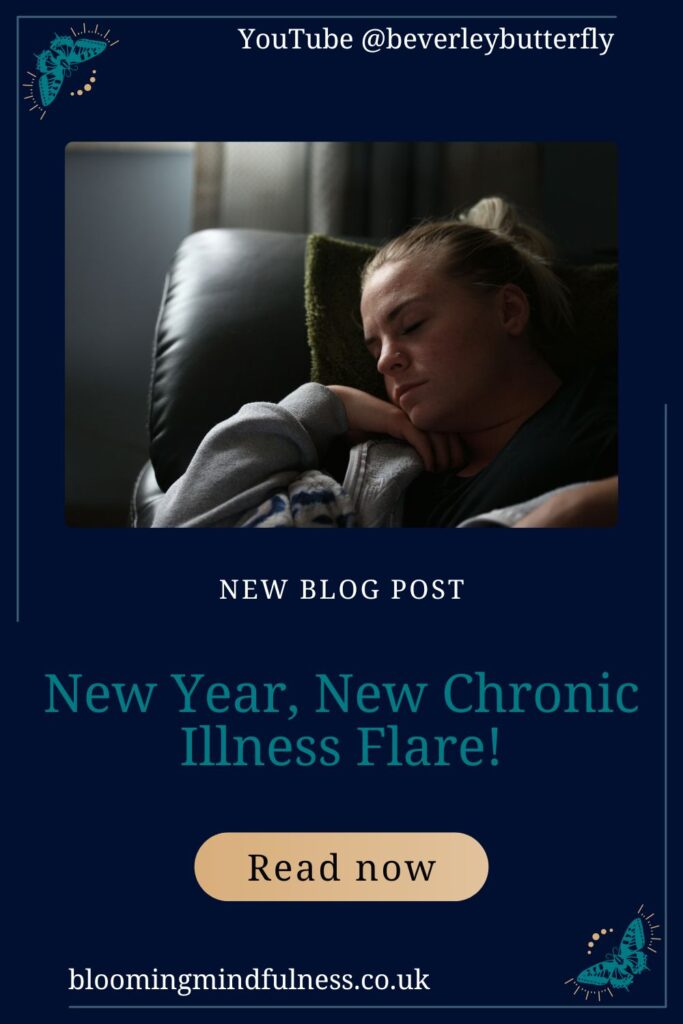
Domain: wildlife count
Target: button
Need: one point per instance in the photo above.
(321, 866)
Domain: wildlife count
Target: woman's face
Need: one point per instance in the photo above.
(442, 345)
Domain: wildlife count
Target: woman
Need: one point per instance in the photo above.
(455, 314)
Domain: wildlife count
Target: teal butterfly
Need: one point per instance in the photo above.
(59, 61)
(619, 968)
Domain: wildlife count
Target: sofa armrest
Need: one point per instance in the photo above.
(231, 329)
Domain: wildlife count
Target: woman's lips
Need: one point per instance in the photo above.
(403, 390)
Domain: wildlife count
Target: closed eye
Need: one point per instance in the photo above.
(412, 327)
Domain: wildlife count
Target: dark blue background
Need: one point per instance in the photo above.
(572, 818)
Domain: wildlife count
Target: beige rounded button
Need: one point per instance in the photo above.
(320, 866)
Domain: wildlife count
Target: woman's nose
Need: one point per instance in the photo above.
(391, 359)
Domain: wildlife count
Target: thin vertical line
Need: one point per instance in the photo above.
(666, 698)
(16, 471)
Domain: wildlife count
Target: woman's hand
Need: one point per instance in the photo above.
(593, 504)
(368, 415)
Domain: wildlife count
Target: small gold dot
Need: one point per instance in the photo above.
(603, 931)
(595, 935)
(87, 88)
(591, 943)
(93, 79)
(79, 92)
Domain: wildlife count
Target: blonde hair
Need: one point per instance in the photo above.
(489, 245)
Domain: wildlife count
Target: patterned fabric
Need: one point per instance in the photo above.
(313, 499)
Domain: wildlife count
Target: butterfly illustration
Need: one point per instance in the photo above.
(59, 61)
(619, 967)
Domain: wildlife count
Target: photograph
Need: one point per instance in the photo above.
(342, 334)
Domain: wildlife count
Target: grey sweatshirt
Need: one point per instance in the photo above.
(264, 447)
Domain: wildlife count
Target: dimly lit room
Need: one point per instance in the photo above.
(148, 298)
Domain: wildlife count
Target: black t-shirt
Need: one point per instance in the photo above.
(571, 439)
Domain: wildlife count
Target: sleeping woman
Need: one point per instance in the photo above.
(477, 428)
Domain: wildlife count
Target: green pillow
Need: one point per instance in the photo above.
(335, 332)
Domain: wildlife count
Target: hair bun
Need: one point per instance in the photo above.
(498, 215)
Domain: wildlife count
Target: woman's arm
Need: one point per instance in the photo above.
(368, 415)
(264, 447)
(593, 504)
